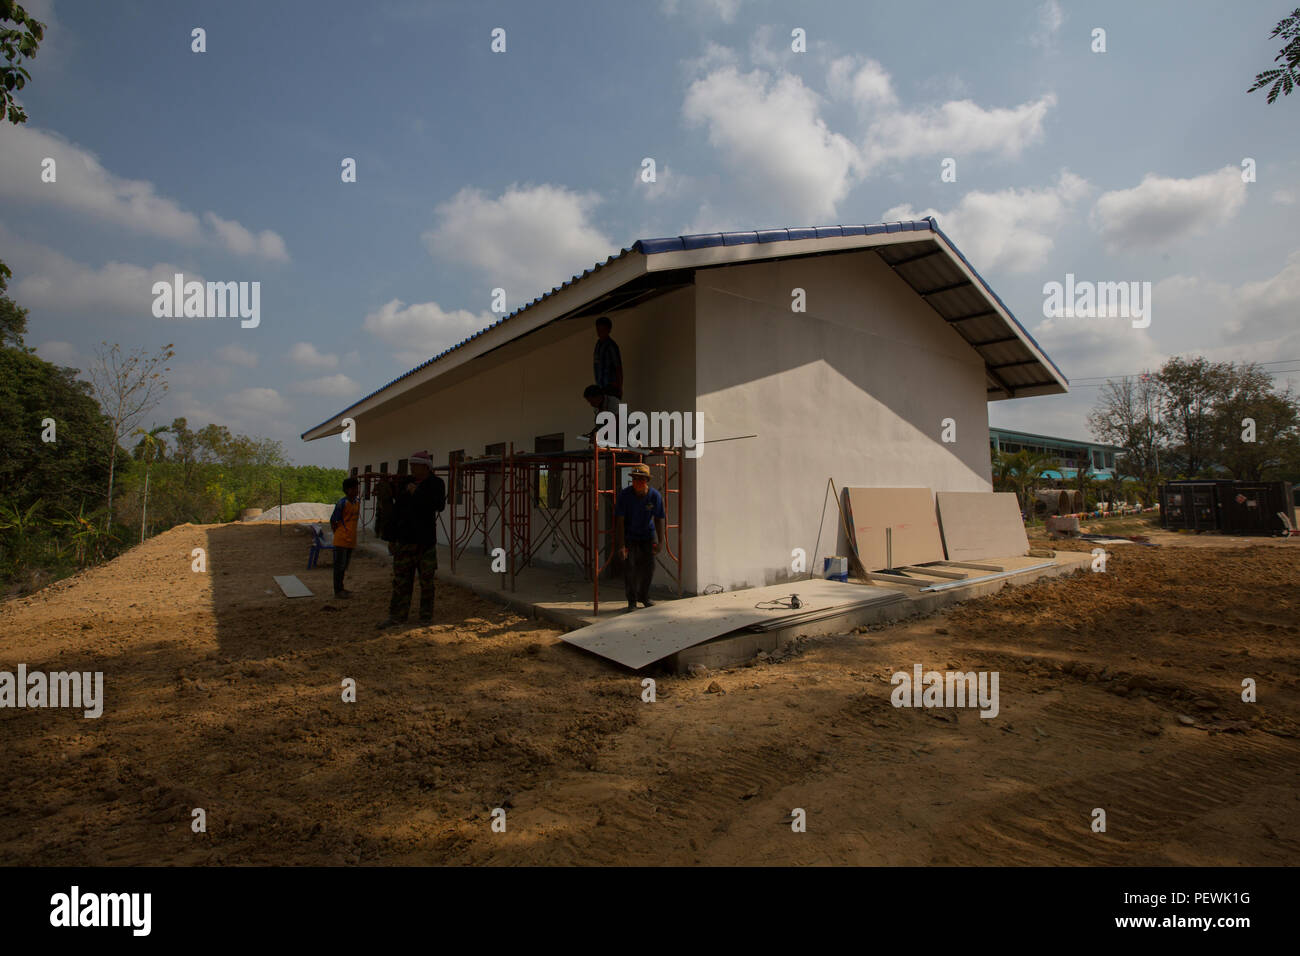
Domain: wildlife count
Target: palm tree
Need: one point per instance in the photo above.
(1084, 480)
(1026, 470)
(87, 536)
(150, 445)
(1002, 471)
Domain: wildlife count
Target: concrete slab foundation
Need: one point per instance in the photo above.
(562, 598)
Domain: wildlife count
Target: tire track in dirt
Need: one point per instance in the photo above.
(1147, 811)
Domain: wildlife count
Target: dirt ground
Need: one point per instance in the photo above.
(1119, 691)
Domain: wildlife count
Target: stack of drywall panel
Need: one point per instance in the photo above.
(894, 527)
(981, 524)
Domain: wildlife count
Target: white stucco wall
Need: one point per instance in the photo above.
(854, 389)
(533, 387)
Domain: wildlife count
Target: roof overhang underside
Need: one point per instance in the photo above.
(1015, 366)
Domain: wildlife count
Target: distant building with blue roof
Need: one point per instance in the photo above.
(1070, 454)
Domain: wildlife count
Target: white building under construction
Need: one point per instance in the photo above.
(866, 354)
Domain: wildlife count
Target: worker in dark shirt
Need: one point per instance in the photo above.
(638, 535)
(607, 361)
(412, 535)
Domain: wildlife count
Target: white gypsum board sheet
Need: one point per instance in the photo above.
(641, 637)
(909, 515)
(291, 586)
(981, 524)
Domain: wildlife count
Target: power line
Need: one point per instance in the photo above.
(1075, 383)
(1085, 378)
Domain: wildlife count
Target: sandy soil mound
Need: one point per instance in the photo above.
(298, 511)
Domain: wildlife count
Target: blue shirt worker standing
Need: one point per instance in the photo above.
(638, 535)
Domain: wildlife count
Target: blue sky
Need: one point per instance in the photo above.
(478, 170)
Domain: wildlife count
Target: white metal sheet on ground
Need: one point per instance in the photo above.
(641, 637)
(981, 524)
(291, 586)
(908, 514)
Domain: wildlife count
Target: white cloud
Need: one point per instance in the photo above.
(1089, 346)
(1284, 197)
(237, 355)
(723, 9)
(307, 355)
(1261, 309)
(714, 57)
(1012, 229)
(772, 139)
(84, 186)
(1050, 19)
(767, 48)
(337, 385)
(46, 279)
(863, 82)
(266, 244)
(956, 128)
(669, 184)
(784, 164)
(423, 329)
(526, 241)
(1161, 210)
(255, 405)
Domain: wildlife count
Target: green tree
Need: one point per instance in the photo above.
(151, 446)
(62, 471)
(13, 318)
(1190, 392)
(1249, 394)
(20, 35)
(1285, 78)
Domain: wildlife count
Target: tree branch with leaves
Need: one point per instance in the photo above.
(20, 35)
(1286, 77)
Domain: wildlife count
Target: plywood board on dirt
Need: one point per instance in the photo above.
(641, 637)
(291, 586)
(907, 514)
(981, 524)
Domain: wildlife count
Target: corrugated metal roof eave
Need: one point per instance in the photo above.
(680, 244)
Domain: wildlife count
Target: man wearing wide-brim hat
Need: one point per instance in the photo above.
(638, 535)
(412, 536)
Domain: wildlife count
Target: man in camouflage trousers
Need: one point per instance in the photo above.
(412, 535)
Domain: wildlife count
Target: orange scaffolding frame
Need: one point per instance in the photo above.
(580, 520)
